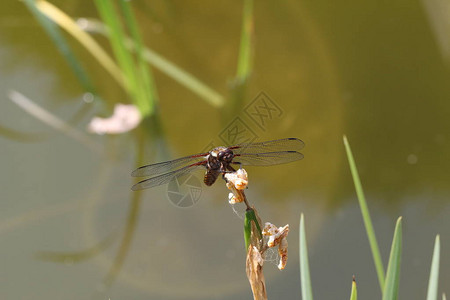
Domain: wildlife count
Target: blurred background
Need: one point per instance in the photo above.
(378, 72)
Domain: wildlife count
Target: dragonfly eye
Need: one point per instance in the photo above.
(228, 156)
(222, 155)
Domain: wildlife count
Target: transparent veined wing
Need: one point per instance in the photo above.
(167, 166)
(167, 177)
(267, 159)
(287, 144)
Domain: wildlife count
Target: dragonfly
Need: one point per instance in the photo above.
(220, 160)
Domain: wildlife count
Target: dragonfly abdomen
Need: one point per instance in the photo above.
(210, 177)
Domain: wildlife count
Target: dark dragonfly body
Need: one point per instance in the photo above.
(220, 160)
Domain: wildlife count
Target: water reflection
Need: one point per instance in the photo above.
(330, 69)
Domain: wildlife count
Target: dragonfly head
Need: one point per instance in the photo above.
(225, 155)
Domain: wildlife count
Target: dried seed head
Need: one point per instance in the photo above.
(236, 182)
(283, 252)
(277, 236)
(269, 229)
(238, 179)
(232, 199)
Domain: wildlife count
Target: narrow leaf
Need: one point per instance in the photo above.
(366, 216)
(434, 272)
(145, 80)
(354, 294)
(305, 279)
(244, 65)
(390, 291)
(250, 217)
(245, 51)
(124, 57)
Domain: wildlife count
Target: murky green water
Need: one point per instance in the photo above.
(71, 228)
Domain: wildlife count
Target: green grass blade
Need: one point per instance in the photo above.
(145, 77)
(244, 66)
(305, 279)
(354, 293)
(366, 216)
(390, 291)
(432, 293)
(123, 56)
(61, 44)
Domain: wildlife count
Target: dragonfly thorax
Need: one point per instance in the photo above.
(220, 158)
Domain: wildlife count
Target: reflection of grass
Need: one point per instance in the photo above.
(389, 282)
(76, 256)
(53, 121)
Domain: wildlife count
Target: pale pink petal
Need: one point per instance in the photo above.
(124, 118)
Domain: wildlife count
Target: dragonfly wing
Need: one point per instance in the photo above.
(166, 178)
(267, 159)
(167, 166)
(288, 144)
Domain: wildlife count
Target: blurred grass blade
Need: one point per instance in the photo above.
(124, 58)
(65, 22)
(444, 297)
(146, 83)
(19, 136)
(245, 58)
(63, 47)
(354, 294)
(244, 66)
(366, 216)
(78, 256)
(184, 78)
(127, 237)
(432, 293)
(390, 291)
(52, 120)
(305, 278)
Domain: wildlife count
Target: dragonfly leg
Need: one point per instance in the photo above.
(237, 163)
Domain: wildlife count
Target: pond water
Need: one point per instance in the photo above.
(70, 227)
